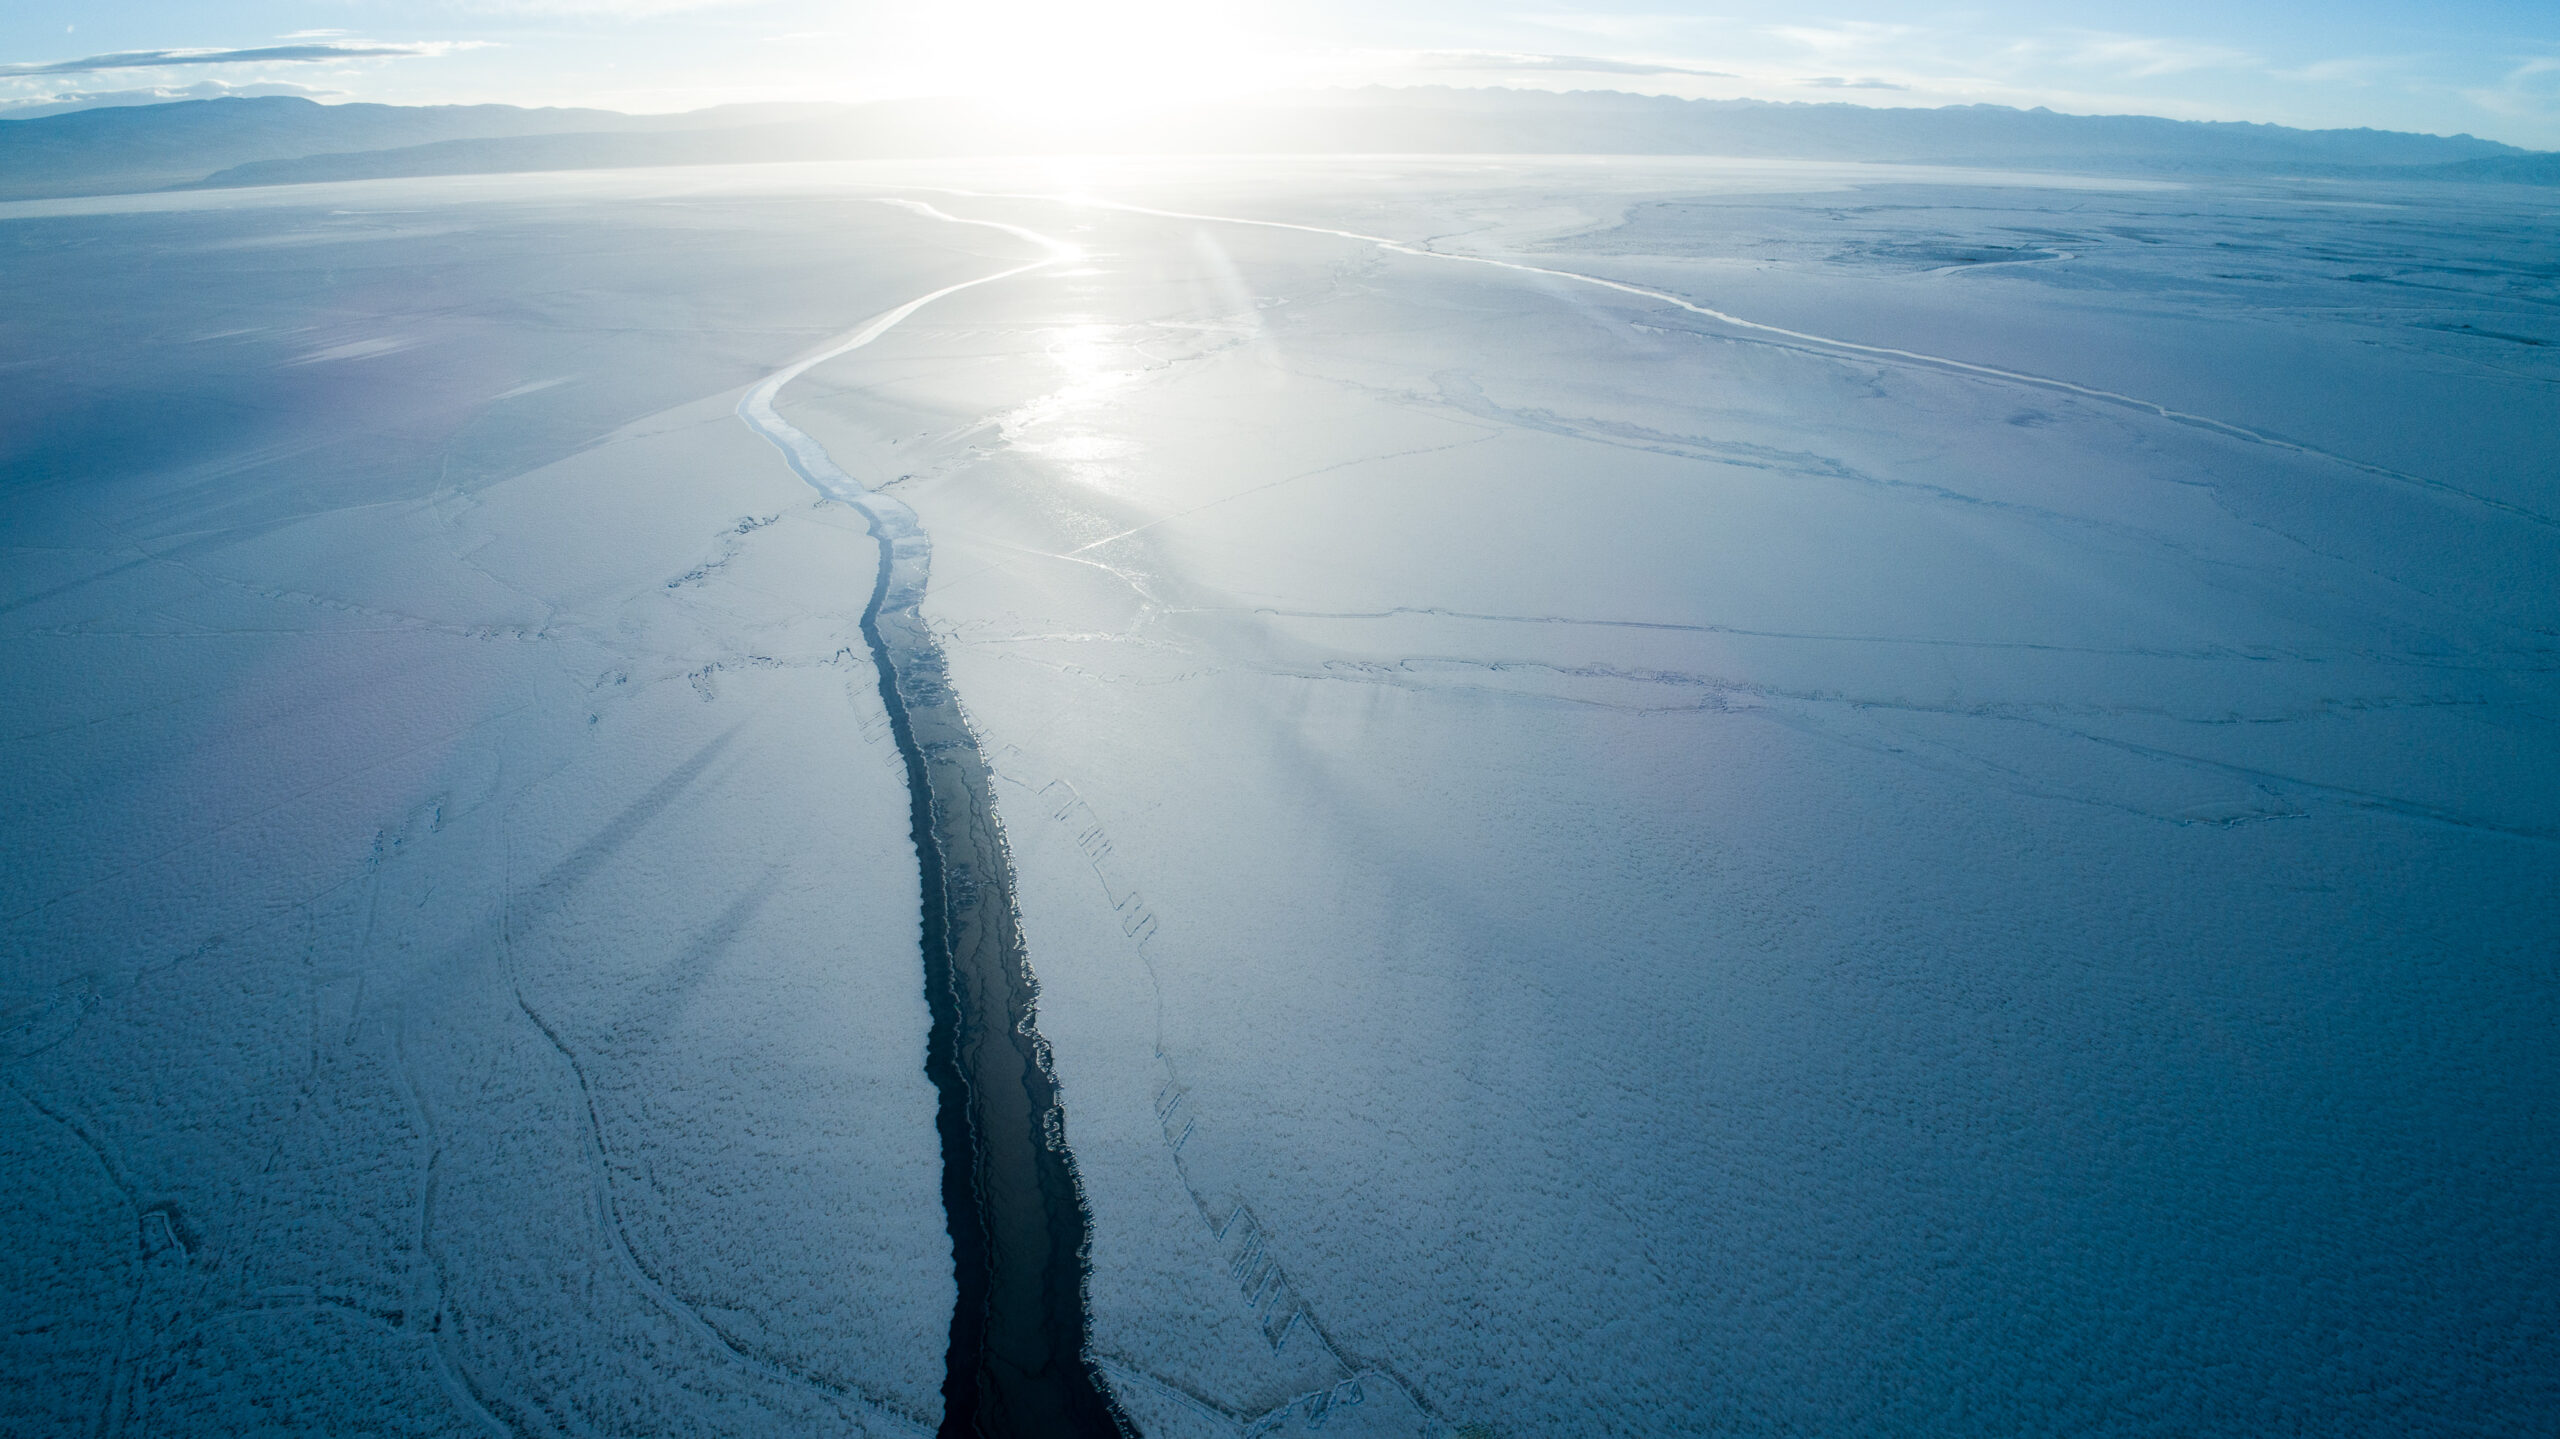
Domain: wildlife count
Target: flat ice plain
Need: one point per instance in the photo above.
(1831, 800)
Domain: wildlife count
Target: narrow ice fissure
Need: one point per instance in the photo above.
(1834, 345)
(1011, 1195)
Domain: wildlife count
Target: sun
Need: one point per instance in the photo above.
(1069, 62)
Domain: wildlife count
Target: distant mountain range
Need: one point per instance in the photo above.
(127, 148)
(287, 140)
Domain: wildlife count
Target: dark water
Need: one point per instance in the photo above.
(1017, 1213)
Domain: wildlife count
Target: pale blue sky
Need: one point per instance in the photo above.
(2490, 67)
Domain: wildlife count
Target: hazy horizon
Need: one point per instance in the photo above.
(2489, 68)
(993, 108)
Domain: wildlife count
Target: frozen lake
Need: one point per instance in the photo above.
(1653, 797)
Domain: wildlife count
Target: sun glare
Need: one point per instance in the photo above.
(1067, 63)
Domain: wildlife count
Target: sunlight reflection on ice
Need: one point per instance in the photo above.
(1068, 426)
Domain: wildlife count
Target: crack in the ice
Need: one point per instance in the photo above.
(2215, 654)
(1013, 1201)
(1829, 345)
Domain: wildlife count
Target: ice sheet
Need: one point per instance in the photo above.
(461, 929)
(1661, 877)
(1765, 846)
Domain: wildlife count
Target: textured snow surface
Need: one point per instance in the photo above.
(1932, 811)
(460, 919)
(1687, 878)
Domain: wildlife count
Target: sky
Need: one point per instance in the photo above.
(2483, 67)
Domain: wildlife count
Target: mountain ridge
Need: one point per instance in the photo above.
(231, 142)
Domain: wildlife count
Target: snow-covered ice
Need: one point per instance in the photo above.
(1828, 799)
(461, 924)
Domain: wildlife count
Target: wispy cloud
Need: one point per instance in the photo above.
(1848, 37)
(623, 9)
(2529, 91)
(2149, 55)
(261, 55)
(2347, 70)
(1499, 60)
(1844, 82)
(63, 102)
(1620, 27)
